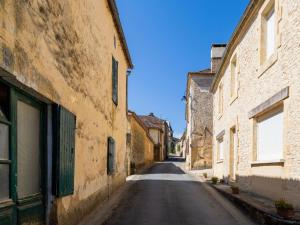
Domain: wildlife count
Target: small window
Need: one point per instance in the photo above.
(220, 98)
(268, 32)
(111, 148)
(233, 78)
(220, 148)
(4, 102)
(115, 81)
(270, 136)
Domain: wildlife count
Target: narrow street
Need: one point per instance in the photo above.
(165, 195)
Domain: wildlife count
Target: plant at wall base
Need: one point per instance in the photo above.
(284, 209)
(214, 180)
(235, 189)
(205, 175)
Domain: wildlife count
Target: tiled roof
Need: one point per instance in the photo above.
(152, 121)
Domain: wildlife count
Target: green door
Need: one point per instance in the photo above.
(21, 158)
(29, 132)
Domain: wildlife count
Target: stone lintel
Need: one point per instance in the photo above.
(269, 103)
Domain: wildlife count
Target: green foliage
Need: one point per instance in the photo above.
(214, 180)
(282, 204)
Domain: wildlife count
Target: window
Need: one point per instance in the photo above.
(111, 148)
(268, 32)
(233, 78)
(220, 149)
(115, 81)
(220, 98)
(5, 162)
(270, 136)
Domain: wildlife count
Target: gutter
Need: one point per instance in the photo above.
(246, 15)
(115, 13)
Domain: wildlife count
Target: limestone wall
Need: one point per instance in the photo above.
(257, 83)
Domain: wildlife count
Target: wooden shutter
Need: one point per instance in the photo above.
(64, 124)
(115, 81)
(111, 148)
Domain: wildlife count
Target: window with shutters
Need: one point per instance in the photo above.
(5, 162)
(64, 151)
(269, 136)
(111, 149)
(115, 81)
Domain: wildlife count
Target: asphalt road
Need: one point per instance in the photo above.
(165, 195)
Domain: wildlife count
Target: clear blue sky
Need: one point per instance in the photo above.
(167, 39)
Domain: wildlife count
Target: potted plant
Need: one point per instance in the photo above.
(235, 189)
(205, 175)
(214, 180)
(284, 209)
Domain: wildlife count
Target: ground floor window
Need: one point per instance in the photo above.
(270, 136)
(220, 148)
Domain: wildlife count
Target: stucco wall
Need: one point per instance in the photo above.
(200, 122)
(142, 147)
(63, 50)
(255, 86)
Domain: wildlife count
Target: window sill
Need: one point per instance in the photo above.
(279, 162)
(268, 64)
(220, 161)
(6, 203)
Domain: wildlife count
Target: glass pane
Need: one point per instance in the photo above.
(4, 132)
(4, 184)
(28, 133)
(270, 34)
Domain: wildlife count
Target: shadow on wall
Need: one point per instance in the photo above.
(270, 187)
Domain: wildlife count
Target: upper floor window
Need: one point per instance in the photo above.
(220, 98)
(233, 78)
(268, 32)
(115, 81)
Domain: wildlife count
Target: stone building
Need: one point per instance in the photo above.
(63, 78)
(156, 128)
(142, 145)
(199, 108)
(256, 112)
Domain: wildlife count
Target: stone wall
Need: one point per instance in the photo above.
(142, 146)
(257, 83)
(63, 50)
(200, 122)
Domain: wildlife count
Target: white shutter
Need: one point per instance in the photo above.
(270, 138)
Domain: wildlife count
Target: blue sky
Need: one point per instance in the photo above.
(167, 39)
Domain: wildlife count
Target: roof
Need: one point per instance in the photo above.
(152, 121)
(241, 27)
(205, 71)
(115, 13)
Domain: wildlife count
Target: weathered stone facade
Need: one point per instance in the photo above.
(142, 145)
(199, 120)
(63, 51)
(260, 87)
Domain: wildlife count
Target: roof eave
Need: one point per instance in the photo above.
(113, 7)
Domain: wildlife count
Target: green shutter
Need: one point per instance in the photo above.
(111, 149)
(64, 151)
(115, 81)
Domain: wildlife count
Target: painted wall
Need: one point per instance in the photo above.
(63, 50)
(257, 83)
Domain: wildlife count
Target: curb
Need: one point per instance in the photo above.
(260, 216)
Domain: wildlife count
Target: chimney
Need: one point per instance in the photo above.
(217, 51)
(151, 114)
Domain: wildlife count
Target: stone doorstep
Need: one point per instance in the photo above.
(261, 209)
